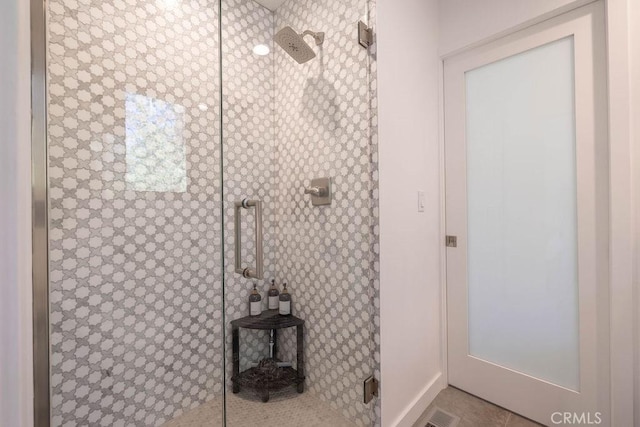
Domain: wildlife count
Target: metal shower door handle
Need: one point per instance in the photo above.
(248, 272)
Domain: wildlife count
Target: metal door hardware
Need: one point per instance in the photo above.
(248, 272)
(365, 35)
(452, 241)
(371, 386)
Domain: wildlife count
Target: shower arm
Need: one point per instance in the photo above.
(318, 37)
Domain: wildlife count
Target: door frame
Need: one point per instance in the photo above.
(621, 209)
(581, 33)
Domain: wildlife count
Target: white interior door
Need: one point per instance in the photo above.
(526, 197)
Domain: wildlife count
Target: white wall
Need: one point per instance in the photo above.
(410, 242)
(412, 369)
(15, 221)
(463, 22)
(622, 177)
(635, 113)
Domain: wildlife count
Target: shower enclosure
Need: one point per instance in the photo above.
(163, 116)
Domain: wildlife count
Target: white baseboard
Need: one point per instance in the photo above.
(417, 407)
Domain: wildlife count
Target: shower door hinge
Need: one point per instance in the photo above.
(451, 241)
(370, 388)
(365, 35)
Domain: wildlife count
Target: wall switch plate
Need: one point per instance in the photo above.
(421, 201)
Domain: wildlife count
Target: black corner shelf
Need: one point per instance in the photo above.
(268, 319)
(257, 379)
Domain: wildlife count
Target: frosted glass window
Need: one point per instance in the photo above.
(156, 158)
(522, 226)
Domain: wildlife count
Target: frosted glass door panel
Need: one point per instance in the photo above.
(522, 227)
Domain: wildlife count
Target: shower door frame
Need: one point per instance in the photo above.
(40, 216)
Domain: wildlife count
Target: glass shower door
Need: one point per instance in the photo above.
(134, 200)
(162, 115)
(296, 107)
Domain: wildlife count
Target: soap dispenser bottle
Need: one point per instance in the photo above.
(273, 296)
(285, 301)
(255, 304)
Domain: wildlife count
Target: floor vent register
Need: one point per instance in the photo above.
(440, 418)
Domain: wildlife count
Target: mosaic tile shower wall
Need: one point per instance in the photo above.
(325, 253)
(135, 235)
(136, 222)
(248, 160)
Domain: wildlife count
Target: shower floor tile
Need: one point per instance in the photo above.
(285, 408)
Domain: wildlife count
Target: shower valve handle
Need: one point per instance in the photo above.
(317, 191)
(320, 191)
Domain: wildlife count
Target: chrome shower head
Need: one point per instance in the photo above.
(295, 46)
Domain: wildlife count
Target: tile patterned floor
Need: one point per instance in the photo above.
(285, 408)
(474, 412)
